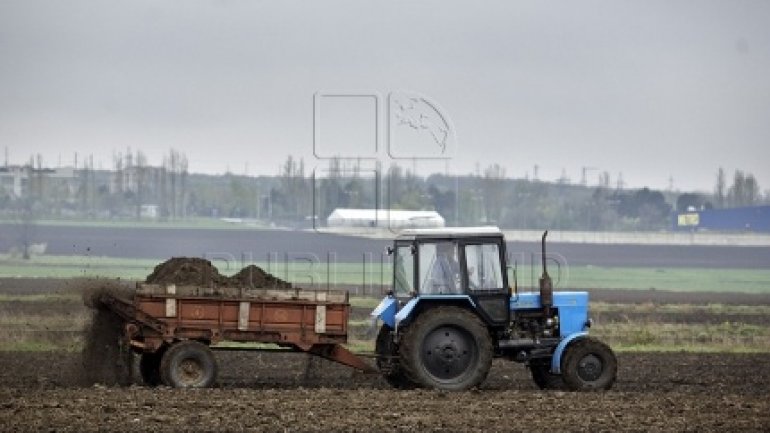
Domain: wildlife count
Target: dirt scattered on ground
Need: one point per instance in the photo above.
(103, 360)
(275, 392)
(92, 290)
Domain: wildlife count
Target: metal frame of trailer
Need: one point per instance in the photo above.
(315, 322)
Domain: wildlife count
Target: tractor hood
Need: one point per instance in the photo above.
(572, 306)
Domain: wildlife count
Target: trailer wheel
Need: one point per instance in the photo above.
(388, 364)
(188, 364)
(589, 365)
(149, 368)
(544, 379)
(447, 348)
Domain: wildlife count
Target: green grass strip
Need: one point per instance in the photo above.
(311, 275)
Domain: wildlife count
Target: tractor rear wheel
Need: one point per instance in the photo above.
(388, 362)
(188, 364)
(543, 378)
(447, 348)
(589, 365)
(149, 368)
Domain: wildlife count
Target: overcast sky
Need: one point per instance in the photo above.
(652, 89)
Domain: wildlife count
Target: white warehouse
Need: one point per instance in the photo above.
(391, 218)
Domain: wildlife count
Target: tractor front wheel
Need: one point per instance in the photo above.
(188, 364)
(447, 348)
(589, 365)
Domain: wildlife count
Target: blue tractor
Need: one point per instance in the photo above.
(452, 310)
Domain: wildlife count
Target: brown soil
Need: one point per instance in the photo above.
(193, 271)
(253, 276)
(102, 355)
(49, 391)
(259, 391)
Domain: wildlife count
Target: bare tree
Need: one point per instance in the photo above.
(183, 184)
(25, 221)
(735, 192)
(751, 192)
(173, 158)
(140, 179)
(173, 184)
(604, 179)
(719, 190)
(744, 190)
(493, 187)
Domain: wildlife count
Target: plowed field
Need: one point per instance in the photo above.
(45, 391)
(275, 391)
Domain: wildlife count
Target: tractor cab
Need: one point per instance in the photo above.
(466, 265)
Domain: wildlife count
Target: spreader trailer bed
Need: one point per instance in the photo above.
(173, 327)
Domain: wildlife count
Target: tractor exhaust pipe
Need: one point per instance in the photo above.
(546, 285)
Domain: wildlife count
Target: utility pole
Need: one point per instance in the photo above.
(584, 176)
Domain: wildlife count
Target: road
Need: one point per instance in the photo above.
(258, 245)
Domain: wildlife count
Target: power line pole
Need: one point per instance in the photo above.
(584, 176)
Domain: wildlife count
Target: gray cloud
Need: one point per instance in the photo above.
(652, 89)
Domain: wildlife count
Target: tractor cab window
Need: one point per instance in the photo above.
(403, 270)
(439, 268)
(483, 267)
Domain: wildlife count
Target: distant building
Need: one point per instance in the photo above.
(131, 179)
(747, 219)
(149, 211)
(16, 180)
(384, 218)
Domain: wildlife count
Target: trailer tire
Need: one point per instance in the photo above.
(589, 365)
(390, 367)
(188, 364)
(149, 368)
(447, 348)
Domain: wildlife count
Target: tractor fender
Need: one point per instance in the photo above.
(556, 359)
(405, 313)
(386, 311)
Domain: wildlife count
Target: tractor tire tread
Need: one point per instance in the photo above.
(410, 348)
(575, 352)
(183, 348)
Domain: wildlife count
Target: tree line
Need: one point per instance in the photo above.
(295, 196)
